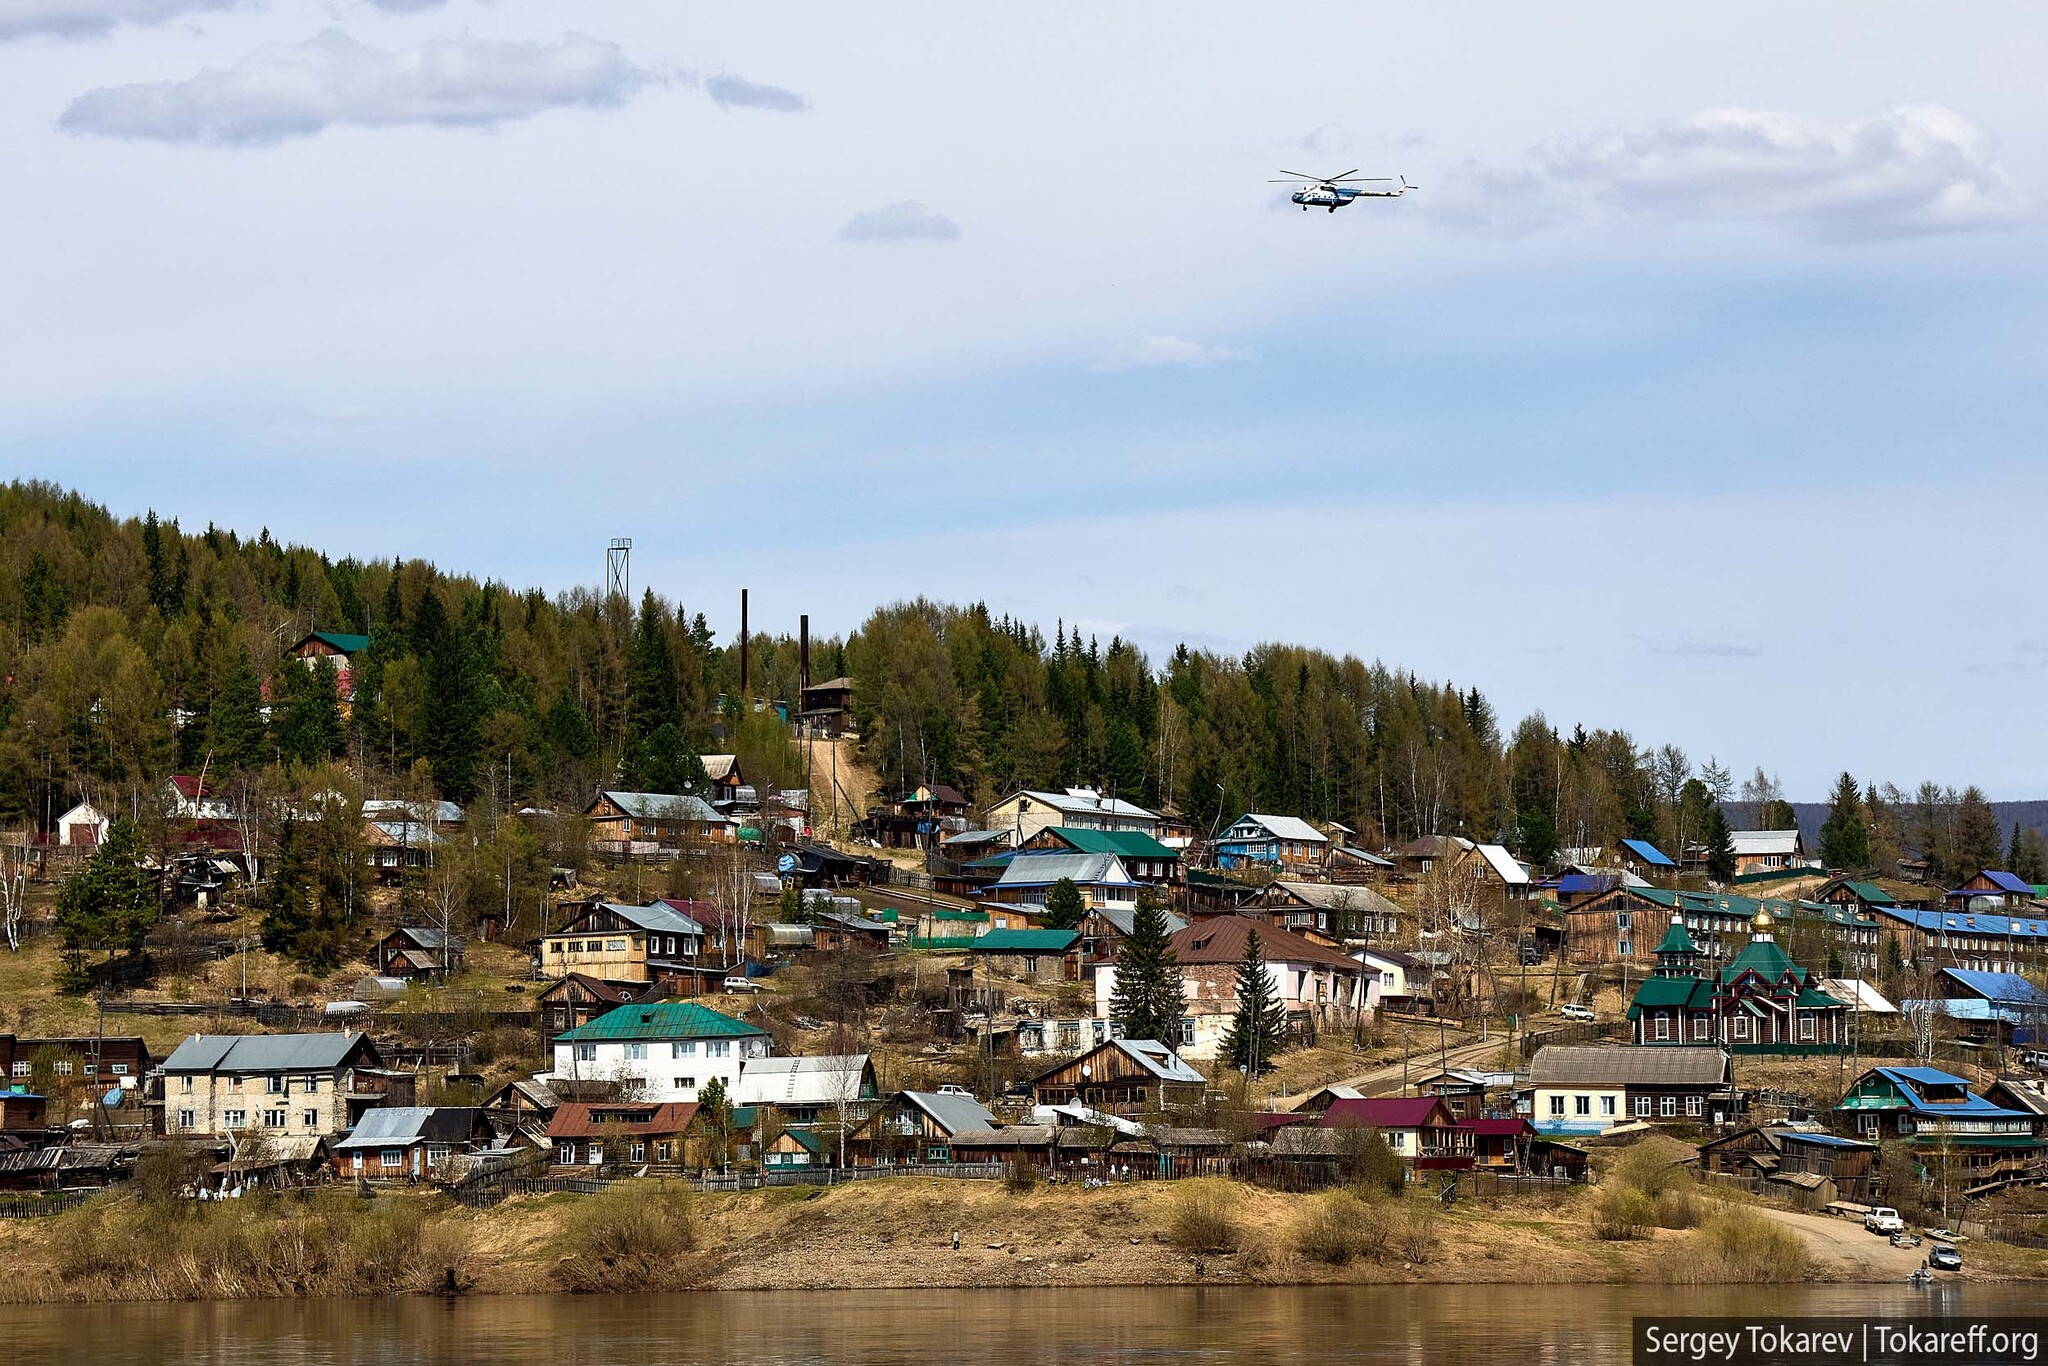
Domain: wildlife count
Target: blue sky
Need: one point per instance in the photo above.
(1697, 391)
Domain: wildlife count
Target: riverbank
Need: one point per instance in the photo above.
(900, 1234)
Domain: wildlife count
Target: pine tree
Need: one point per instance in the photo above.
(109, 905)
(1845, 835)
(1976, 834)
(235, 731)
(1063, 906)
(1258, 1029)
(1720, 847)
(1150, 996)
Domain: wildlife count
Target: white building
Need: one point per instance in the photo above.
(661, 1051)
(82, 827)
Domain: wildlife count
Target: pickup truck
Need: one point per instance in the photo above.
(1884, 1219)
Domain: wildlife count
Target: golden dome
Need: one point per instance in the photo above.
(1762, 923)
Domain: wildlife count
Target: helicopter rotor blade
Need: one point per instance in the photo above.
(1352, 172)
(1296, 175)
(1356, 179)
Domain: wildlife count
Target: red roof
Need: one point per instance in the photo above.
(579, 1119)
(1387, 1112)
(1268, 1120)
(1497, 1128)
(1221, 939)
(189, 787)
(703, 912)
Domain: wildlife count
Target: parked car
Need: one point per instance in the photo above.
(954, 1089)
(1884, 1219)
(1944, 1257)
(741, 984)
(1583, 1014)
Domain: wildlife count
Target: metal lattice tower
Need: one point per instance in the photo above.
(619, 568)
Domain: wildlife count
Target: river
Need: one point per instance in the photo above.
(1424, 1325)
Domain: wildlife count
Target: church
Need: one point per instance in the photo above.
(1759, 1002)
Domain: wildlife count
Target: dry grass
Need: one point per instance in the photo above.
(631, 1237)
(1202, 1215)
(1737, 1246)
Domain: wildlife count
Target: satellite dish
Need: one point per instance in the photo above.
(785, 864)
(1086, 1071)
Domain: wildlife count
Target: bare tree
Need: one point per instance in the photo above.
(14, 891)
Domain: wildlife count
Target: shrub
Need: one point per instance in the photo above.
(1022, 1177)
(1621, 1213)
(629, 1237)
(1416, 1237)
(1330, 1227)
(1651, 1166)
(1679, 1206)
(1202, 1215)
(1748, 1246)
(1366, 1160)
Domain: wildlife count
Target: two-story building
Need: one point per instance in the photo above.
(1288, 844)
(1122, 1077)
(1330, 912)
(650, 822)
(224, 1084)
(662, 1051)
(409, 1142)
(616, 943)
(1950, 1130)
(1142, 856)
(1767, 851)
(1760, 1001)
(1585, 1090)
(916, 1128)
(822, 1089)
(1030, 877)
(1026, 813)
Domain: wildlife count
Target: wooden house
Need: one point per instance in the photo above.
(118, 1058)
(1147, 860)
(21, 1108)
(1284, 844)
(338, 648)
(616, 943)
(1026, 813)
(1992, 890)
(1330, 913)
(1105, 928)
(655, 822)
(915, 1128)
(722, 772)
(628, 1135)
(1029, 877)
(1122, 1077)
(918, 819)
(409, 1143)
(796, 1148)
(1809, 1167)
(1586, 1090)
(1767, 851)
(418, 952)
(1031, 955)
(826, 709)
(394, 848)
(1421, 1130)
(809, 1090)
(1944, 1123)
(577, 998)
(521, 1104)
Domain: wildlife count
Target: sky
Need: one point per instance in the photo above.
(1695, 392)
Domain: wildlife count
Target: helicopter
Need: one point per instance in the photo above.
(1333, 192)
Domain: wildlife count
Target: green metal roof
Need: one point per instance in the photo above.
(1874, 894)
(1766, 959)
(661, 1020)
(1669, 991)
(1813, 996)
(1676, 940)
(1127, 843)
(1026, 941)
(347, 644)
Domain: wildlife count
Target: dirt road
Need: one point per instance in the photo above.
(1387, 1080)
(1842, 1247)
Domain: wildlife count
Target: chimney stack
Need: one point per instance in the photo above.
(745, 696)
(803, 655)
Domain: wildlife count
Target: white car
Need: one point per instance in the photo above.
(952, 1089)
(741, 984)
(1885, 1220)
(1584, 1014)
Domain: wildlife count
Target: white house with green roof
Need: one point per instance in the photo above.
(660, 1051)
(1759, 1001)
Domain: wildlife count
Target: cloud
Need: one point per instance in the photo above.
(733, 93)
(283, 91)
(92, 18)
(908, 221)
(1911, 171)
(1151, 352)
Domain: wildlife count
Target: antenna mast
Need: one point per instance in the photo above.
(619, 567)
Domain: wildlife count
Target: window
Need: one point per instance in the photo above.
(1695, 1106)
(596, 1154)
(1582, 1105)
(718, 1048)
(586, 1052)
(391, 1158)
(1031, 963)
(1663, 1028)
(565, 1154)
(311, 1085)
(1623, 920)
(682, 1050)
(119, 1069)
(92, 1069)
(234, 1119)
(311, 1118)
(187, 1120)
(273, 1086)
(686, 1083)
(1739, 1027)
(1607, 1106)
(22, 1068)
(1806, 1027)
(614, 946)
(63, 1067)
(273, 1119)
(1699, 1027)
(1667, 1106)
(1642, 1107)
(1626, 949)
(636, 1051)
(636, 1152)
(665, 1151)
(1557, 1107)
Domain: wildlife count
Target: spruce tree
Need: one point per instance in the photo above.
(235, 730)
(448, 717)
(1063, 906)
(1720, 847)
(1258, 1029)
(308, 716)
(108, 905)
(1150, 996)
(1976, 834)
(1845, 835)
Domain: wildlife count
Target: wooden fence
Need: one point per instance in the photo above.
(40, 1206)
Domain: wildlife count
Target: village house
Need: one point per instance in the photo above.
(1988, 1009)
(1640, 858)
(916, 1128)
(1142, 856)
(1421, 1130)
(1320, 988)
(1205, 893)
(122, 1058)
(655, 822)
(339, 648)
(409, 1142)
(1587, 1090)
(520, 1106)
(825, 710)
(1031, 955)
(1286, 843)
(1026, 813)
(1469, 1094)
(394, 848)
(1105, 928)
(1943, 1123)
(1623, 925)
(848, 932)
(1349, 863)
(1121, 1077)
(444, 816)
(1419, 857)
(22, 1109)
(826, 1089)
(1492, 868)
(418, 952)
(1029, 877)
(188, 798)
(1928, 940)
(1401, 979)
(626, 1134)
(618, 943)
(1991, 890)
(1812, 1168)
(1759, 1002)
(722, 772)
(222, 1084)
(82, 827)
(1330, 912)
(1767, 851)
(666, 1050)
(918, 819)
(577, 998)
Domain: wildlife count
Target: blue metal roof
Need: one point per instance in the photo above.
(1910, 1080)
(1828, 1140)
(2006, 882)
(1573, 884)
(1648, 853)
(2006, 988)
(1962, 922)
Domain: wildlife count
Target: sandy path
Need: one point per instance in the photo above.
(1843, 1247)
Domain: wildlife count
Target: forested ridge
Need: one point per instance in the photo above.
(134, 648)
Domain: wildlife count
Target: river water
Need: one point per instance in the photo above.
(1319, 1326)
